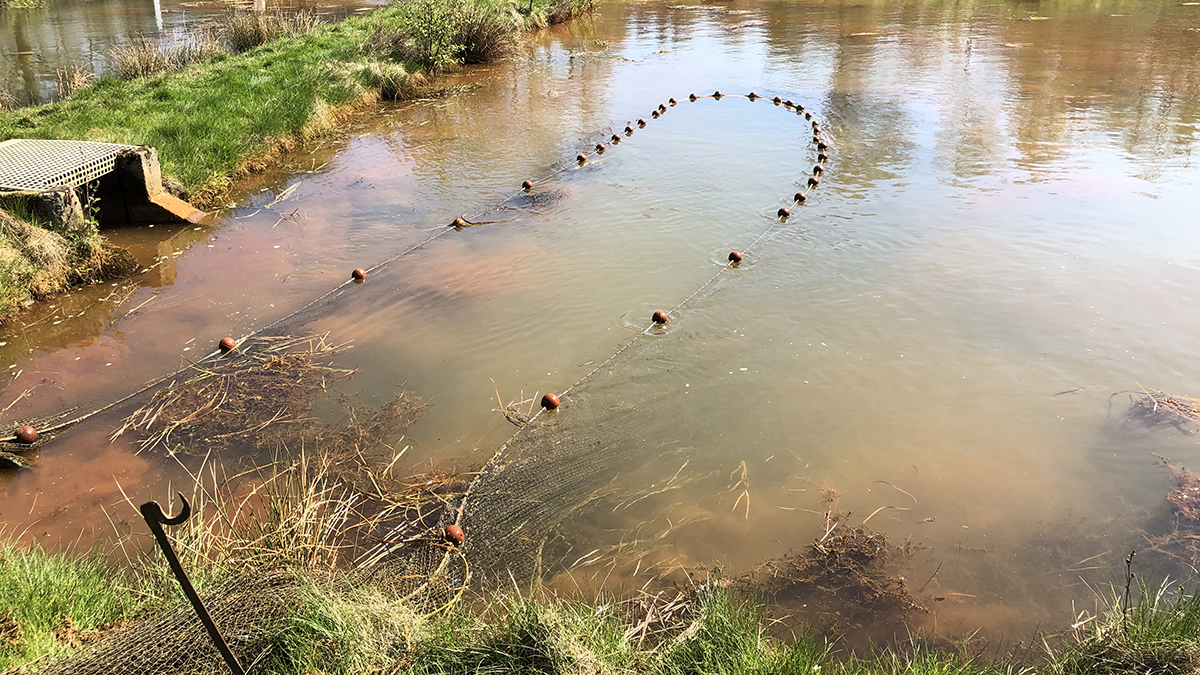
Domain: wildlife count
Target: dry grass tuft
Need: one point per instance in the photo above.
(148, 57)
(71, 79)
(244, 31)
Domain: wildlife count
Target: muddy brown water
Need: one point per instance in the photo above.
(1008, 214)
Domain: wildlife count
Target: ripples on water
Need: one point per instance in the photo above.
(1007, 214)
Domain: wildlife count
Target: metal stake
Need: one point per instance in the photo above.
(155, 518)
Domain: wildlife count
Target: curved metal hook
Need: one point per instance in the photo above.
(151, 511)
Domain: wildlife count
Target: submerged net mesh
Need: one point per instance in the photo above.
(510, 511)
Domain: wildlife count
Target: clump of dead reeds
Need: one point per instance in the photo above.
(1155, 408)
(848, 575)
(147, 57)
(71, 79)
(260, 395)
(8, 102)
(244, 30)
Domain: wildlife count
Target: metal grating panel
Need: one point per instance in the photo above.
(39, 165)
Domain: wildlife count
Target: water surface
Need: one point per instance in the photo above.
(1003, 238)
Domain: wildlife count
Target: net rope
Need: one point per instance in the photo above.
(510, 510)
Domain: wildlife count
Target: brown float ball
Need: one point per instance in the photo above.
(654, 114)
(527, 185)
(550, 401)
(662, 108)
(799, 197)
(777, 100)
(752, 96)
(454, 535)
(600, 148)
(717, 94)
(818, 169)
(735, 257)
(816, 138)
(822, 147)
(822, 157)
(788, 103)
(27, 434)
(581, 158)
(628, 131)
(672, 102)
(358, 274)
(808, 116)
(799, 108)
(660, 317)
(816, 126)
(692, 98)
(783, 213)
(641, 122)
(814, 181)
(459, 222)
(228, 344)
(615, 139)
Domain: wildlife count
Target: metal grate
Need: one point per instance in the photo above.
(39, 165)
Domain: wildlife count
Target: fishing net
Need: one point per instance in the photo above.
(260, 396)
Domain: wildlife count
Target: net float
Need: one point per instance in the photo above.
(808, 116)
(799, 108)
(600, 148)
(777, 100)
(816, 138)
(692, 98)
(816, 126)
(527, 185)
(641, 122)
(783, 213)
(717, 94)
(799, 197)
(672, 101)
(459, 222)
(358, 274)
(26, 434)
(752, 96)
(660, 317)
(813, 181)
(788, 104)
(822, 157)
(615, 139)
(228, 344)
(581, 158)
(818, 169)
(654, 114)
(454, 535)
(550, 401)
(735, 257)
(822, 146)
(662, 108)
(628, 131)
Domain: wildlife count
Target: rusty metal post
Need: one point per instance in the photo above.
(155, 518)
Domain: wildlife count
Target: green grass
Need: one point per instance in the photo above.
(40, 592)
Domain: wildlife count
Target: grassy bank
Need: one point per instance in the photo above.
(225, 114)
(274, 562)
(51, 606)
(39, 259)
